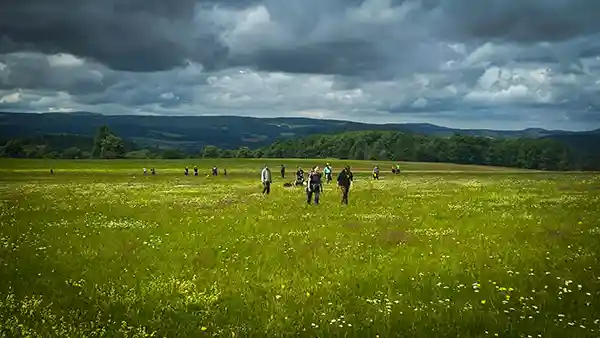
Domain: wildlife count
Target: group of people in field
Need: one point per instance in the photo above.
(313, 181)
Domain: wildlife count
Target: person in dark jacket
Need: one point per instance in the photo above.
(344, 180)
(282, 171)
(314, 185)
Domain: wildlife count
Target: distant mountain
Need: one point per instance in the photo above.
(191, 133)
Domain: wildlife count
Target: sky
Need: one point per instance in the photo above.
(499, 64)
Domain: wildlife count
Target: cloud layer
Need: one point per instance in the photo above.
(461, 63)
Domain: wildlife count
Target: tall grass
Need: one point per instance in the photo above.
(112, 253)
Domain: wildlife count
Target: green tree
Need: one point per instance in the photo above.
(13, 148)
(211, 152)
(112, 147)
(244, 152)
(102, 132)
(71, 153)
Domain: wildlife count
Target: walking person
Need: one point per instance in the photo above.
(328, 172)
(344, 180)
(314, 185)
(186, 171)
(266, 179)
(376, 173)
(195, 171)
(282, 171)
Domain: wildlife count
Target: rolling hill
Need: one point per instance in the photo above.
(191, 133)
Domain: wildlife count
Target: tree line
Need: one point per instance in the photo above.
(529, 153)
(541, 153)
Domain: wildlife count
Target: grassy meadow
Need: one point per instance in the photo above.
(441, 250)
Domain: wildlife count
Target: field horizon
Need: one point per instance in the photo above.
(99, 250)
(241, 165)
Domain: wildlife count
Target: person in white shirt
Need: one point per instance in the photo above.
(266, 179)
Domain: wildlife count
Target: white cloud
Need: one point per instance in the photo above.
(11, 98)
(64, 60)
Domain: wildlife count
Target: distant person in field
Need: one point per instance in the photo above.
(187, 171)
(153, 171)
(195, 171)
(224, 172)
(282, 171)
(328, 173)
(314, 185)
(265, 177)
(215, 171)
(344, 180)
(51, 171)
(145, 172)
(376, 173)
(299, 176)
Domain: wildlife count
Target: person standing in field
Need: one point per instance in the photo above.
(376, 173)
(328, 172)
(215, 171)
(344, 180)
(282, 170)
(145, 172)
(314, 185)
(266, 179)
(186, 171)
(195, 171)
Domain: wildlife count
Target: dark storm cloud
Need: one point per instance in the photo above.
(522, 21)
(125, 35)
(148, 35)
(337, 57)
